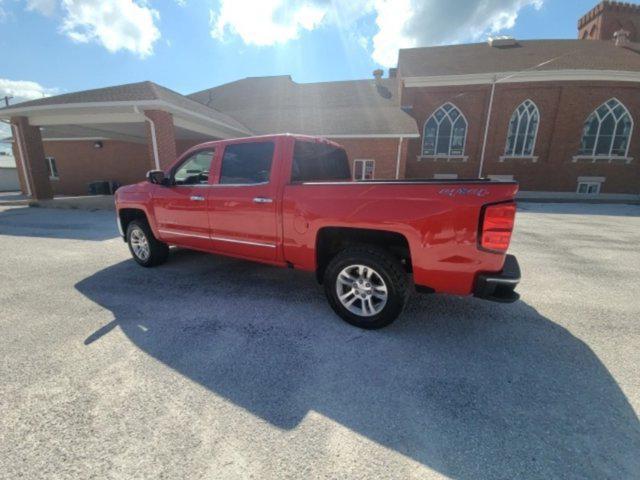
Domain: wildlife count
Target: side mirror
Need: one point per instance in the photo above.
(157, 177)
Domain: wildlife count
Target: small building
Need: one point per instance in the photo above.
(8, 171)
(556, 115)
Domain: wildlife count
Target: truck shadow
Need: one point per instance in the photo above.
(468, 388)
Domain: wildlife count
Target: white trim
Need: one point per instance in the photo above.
(219, 239)
(71, 139)
(448, 158)
(154, 142)
(591, 179)
(142, 104)
(501, 178)
(27, 180)
(522, 77)
(367, 135)
(596, 158)
(398, 158)
(445, 176)
(244, 242)
(531, 158)
(181, 234)
(82, 119)
(486, 128)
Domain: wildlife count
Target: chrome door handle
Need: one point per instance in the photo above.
(262, 200)
(197, 198)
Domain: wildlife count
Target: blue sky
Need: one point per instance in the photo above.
(52, 46)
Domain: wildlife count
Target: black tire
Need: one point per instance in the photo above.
(158, 251)
(386, 266)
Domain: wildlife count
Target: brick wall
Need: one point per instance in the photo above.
(79, 164)
(383, 150)
(563, 109)
(164, 136)
(607, 18)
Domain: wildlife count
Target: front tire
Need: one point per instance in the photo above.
(366, 286)
(145, 248)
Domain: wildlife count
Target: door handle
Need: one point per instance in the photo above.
(262, 200)
(197, 198)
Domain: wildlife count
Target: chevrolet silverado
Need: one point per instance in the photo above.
(288, 200)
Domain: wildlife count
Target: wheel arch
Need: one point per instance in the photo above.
(331, 240)
(128, 214)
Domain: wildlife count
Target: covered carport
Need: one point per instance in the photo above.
(140, 113)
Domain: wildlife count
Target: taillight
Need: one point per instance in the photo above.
(496, 227)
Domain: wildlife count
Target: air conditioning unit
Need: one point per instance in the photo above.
(502, 42)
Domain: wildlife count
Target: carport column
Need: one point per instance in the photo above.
(161, 138)
(31, 161)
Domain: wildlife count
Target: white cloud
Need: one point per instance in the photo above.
(22, 90)
(45, 7)
(410, 23)
(115, 24)
(3, 13)
(400, 23)
(266, 22)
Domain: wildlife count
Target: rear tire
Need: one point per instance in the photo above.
(366, 286)
(145, 248)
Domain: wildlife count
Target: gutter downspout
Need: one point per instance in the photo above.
(486, 127)
(398, 158)
(25, 173)
(154, 142)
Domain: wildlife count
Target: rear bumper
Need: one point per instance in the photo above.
(499, 287)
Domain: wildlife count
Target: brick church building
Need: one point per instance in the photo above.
(556, 115)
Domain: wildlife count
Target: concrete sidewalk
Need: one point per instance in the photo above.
(89, 202)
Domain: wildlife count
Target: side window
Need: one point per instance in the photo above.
(318, 162)
(194, 170)
(247, 163)
(52, 168)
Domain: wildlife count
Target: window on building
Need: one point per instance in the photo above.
(523, 130)
(607, 131)
(445, 132)
(589, 187)
(247, 163)
(363, 169)
(319, 162)
(195, 169)
(52, 168)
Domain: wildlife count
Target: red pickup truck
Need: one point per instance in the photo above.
(288, 200)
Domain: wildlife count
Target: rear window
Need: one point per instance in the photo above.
(319, 162)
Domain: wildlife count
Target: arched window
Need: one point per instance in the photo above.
(445, 132)
(607, 131)
(523, 130)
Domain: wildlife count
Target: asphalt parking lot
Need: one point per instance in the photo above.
(209, 367)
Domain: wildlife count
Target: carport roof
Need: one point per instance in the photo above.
(146, 94)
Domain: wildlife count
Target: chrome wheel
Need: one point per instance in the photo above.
(361, 290)
(139, 244)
